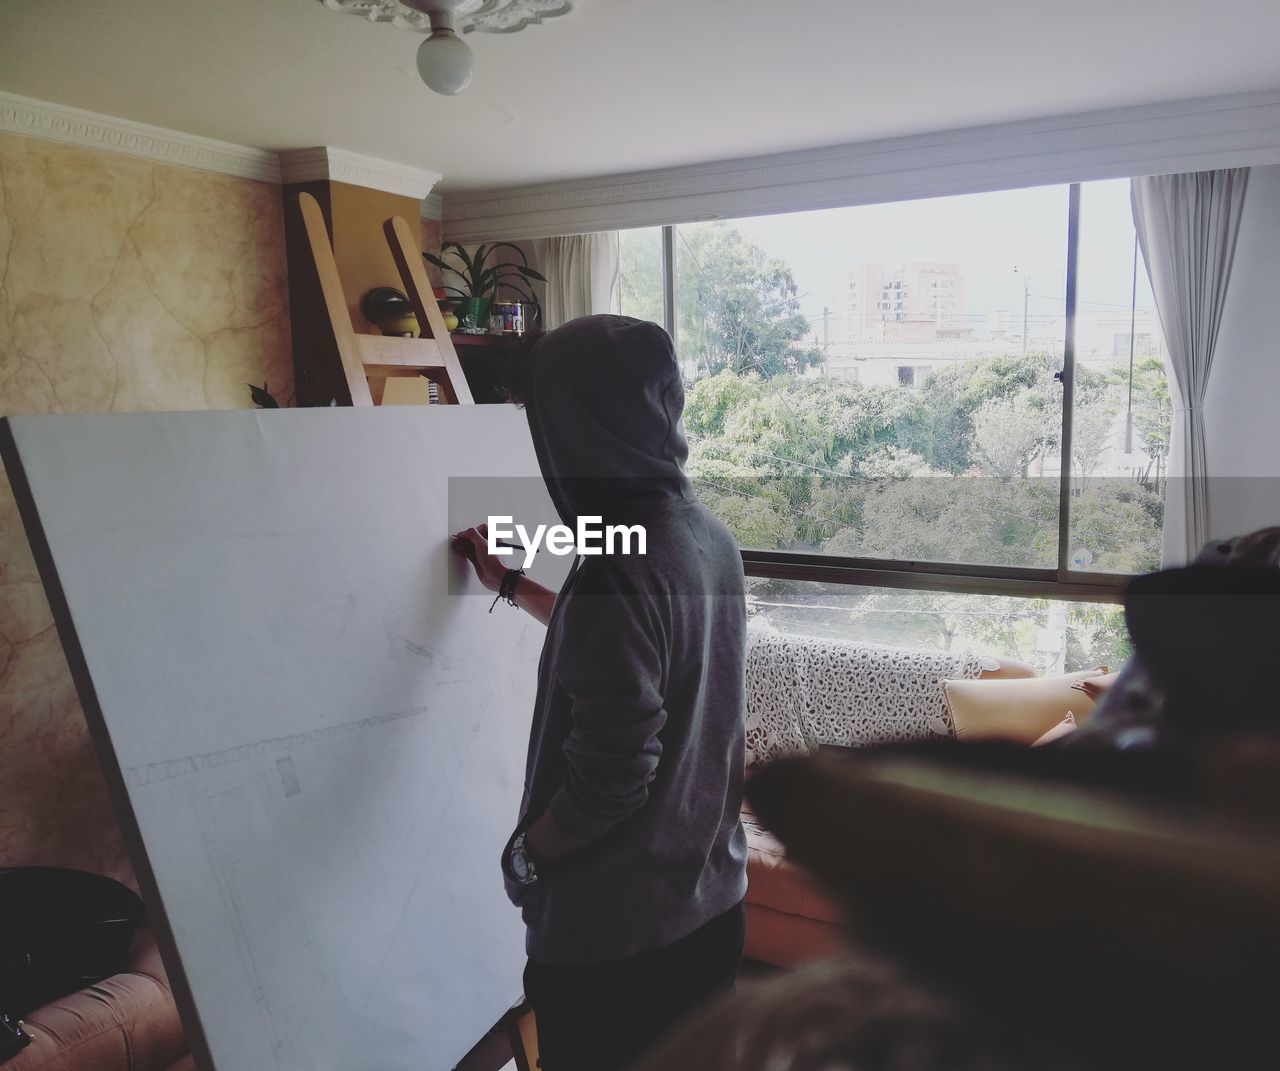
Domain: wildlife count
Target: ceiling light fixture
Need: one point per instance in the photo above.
(444, 59)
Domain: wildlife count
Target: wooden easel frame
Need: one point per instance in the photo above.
(522, 1032)
(368, 361)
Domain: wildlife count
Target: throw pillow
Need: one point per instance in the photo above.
(1096, 687)
(1064, 727)
(1018, 710)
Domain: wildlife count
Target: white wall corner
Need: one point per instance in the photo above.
(338, 165)
(433, 206)
(74, 126)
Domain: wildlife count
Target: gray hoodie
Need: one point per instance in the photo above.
(638, 730)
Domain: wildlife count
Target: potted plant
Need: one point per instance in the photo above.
(483, 280)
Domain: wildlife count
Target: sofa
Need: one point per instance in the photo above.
(55, 811)
(127, 1022)
(804, 694)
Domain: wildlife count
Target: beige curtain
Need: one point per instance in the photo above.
(1187, 227)
(582, 275)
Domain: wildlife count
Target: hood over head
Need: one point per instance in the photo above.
(604, 404)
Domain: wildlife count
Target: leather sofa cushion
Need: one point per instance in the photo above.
(127, 1022)
(775, 882)
(1017, 710)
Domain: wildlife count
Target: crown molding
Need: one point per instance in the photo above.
(1189, 135)
(338, 165)
(433, 207)
(72, 126)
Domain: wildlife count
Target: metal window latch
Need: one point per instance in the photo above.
(1060, 375)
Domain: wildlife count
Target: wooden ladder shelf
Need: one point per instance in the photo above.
(368, 361)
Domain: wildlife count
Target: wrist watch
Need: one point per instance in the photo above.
(520, 864)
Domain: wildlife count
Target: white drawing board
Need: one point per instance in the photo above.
(314, 726)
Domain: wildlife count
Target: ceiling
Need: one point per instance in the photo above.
(621, 85)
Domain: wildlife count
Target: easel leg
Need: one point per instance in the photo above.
(522, 1030)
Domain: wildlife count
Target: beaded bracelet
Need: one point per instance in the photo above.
(507, 589)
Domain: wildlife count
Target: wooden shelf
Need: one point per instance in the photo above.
(485, 340)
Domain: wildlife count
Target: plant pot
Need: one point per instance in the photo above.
(473, 314)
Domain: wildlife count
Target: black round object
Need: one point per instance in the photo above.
(60, 930)
(385, 303)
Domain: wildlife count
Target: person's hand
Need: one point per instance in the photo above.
(473, 544)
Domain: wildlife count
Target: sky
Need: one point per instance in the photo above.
(999, 240)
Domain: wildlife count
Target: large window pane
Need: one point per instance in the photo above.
(640, 273)
(1122, 410)
(879, 381)
(1054, 636)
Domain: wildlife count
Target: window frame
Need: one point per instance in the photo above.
(1061, 582)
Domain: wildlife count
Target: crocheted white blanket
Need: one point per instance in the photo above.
(803, 692)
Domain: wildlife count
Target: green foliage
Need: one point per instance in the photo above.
(848, 469)
(759, 520)
(1121, 524)
(1008, 432)
(739, 309)
(482, 278)
(1152, 405)
(640, 274)
(940, 473)
(957, 519)
(1096, 636)
(950, 399)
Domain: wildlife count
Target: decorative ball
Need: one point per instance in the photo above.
(390, 310)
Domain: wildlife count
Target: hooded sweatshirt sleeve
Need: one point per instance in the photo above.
(612, 670)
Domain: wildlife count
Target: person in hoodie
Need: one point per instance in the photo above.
(628, 858)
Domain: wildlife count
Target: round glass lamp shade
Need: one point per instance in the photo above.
(444, 61)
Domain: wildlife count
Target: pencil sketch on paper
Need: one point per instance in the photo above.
(318, 726)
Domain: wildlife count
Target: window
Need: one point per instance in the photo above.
(1053, 635)
(934, 451)
(1121, 408)
(876, 395)
(640, 273)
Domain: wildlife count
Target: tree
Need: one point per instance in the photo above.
(826, 465)
(738, 308)
(1152, 406)
(1008, 432)
(950, 398)
(640, 273)
(1091, 436)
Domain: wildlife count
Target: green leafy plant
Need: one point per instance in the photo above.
(482, 278)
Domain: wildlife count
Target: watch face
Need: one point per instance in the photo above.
(519, 866)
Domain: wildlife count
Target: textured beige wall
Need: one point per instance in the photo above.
(124, 285)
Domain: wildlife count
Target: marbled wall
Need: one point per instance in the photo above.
(124, 285)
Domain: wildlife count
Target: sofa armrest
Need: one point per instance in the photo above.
(127, 1022)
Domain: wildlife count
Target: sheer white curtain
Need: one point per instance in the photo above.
(582, 275)
(1187, 227)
